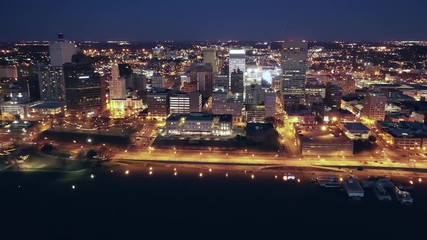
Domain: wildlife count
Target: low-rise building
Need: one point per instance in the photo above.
(321, 141)
(328, 115)
(355, 130)
(255, 113)
(199, 124)
(404, 135)
(158, 103)
(260, 132)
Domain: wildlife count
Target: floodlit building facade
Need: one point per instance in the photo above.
(199, 124)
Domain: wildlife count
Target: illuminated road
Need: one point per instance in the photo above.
(259, 158)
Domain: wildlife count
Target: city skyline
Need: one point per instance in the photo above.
(126, 119)
(238, 20)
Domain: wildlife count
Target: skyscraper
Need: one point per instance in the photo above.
(51, 82)
(374, 106)
(254, 94)
(125, 72)
(117, 84)
(209, 56)
(158, 81)
(158, 103)
(185, 102)
(270, 103)
(237, 61)
(28, 80)
(225, 103)
(237, 82)
(61, 51)
(202, 74)
(333, 96)
(294, 67)
(82, 87)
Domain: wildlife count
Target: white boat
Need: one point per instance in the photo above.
(403, 197)
(380, 192)
(353, 188)
(331, 181)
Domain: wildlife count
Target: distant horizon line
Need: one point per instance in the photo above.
(213, 41)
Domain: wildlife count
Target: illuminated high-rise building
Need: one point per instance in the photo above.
(374, 106)
(237, 61)
(158, 103)
(158, 81)
(117, 84)
(294, 67)
(82, 88)
(237, 85)
(185, 102)
(209, 56)
(224, 102)
(333, 95)
(254, 94)
(61, 51)
(51, 82)
(202, 74)
(270, 103)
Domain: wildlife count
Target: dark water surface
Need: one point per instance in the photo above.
(142, 206)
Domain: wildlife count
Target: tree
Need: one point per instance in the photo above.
(47, 148)
(271, 120)
(91, 154)
(81, 155)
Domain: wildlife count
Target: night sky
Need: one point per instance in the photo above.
(180, 20)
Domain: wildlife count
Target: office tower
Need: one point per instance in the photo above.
(253, 74)
(158, 103)
(348, 84)
(237, 61)
(51, 82)
(374, 106)
(237, 82)
(270, 103)
(139, 82)
(125, 72)
(29, 81)
(225, 103)
(219, 100)
(158, 81)
(254, 94)
(209, 56)
(185, 102)
(277, 83)
(294, 67)
(117, 84)
(61, 51)
(8, 71)
(254, 113)
(333, 96)
(82, 88)
(316, 94)
(202, 74)
(189, 87)
(185, 78)
(221, 80)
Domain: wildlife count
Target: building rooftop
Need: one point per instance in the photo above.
(355, 126)
(404, 129)
(48, 105)
(259, 126)
(254, 107)
(200, 117)
(318, 135)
